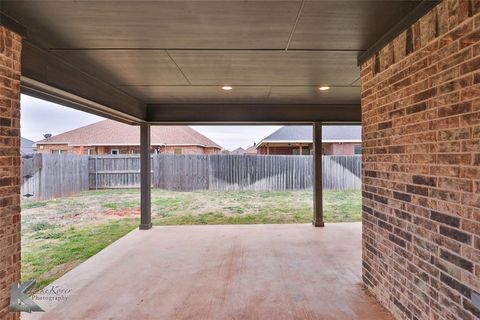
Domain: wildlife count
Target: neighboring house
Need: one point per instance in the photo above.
(296, 140)
(112, 137)
(238, 151)
(225, 152)
(26, 146)
(251, 150)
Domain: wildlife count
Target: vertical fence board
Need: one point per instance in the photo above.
(46, 176)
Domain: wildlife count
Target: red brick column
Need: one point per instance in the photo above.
(421, 167)
(10, 48)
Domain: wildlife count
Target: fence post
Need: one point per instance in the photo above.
(96, 172)
(317, 176)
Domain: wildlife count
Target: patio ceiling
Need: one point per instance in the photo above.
(181, 52)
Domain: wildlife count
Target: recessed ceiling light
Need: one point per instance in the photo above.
(227, 88)
(324, 88)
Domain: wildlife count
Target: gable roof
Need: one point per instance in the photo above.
(113, 133)
(251, 149)
(26, 146)
(239, 150)
(304, 134)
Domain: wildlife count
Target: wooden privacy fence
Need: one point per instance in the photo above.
(225, 172)
(47, 176)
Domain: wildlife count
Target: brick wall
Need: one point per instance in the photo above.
(189, 150)
(53, 148)
(421, 167)
(340, 149)
(279, 149)
(10, 47)
(276, 150)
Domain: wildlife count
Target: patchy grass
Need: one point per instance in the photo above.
(199, 207)
(49, 254)
(342, 206)
(59, 234)
(42, 226)
(34, 204)
(122, 205)
(249, 207)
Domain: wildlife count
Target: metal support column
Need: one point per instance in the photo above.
(317, 176)
(145, 178)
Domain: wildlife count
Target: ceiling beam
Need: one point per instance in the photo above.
(41, 91)
(12, 24)
(419, 11)
(252, 114)
(47, 76)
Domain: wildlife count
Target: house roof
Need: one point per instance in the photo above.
(26, 146)
(239, 150)
(289, 134)
(113, 133)
(251, 150)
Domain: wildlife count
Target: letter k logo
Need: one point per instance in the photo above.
(19, 301)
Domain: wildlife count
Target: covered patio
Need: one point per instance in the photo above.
(222, 272)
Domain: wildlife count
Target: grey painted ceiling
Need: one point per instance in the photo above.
(271, 52)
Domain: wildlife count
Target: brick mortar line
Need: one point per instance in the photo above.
(429, 187)
(393, 285)
(376, 105)
(426, 272)
(428, 231)
(438, 224)
(460, 142)
(428, 110)
(415, 84)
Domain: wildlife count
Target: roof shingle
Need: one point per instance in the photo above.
(109, 132)
(305, 134)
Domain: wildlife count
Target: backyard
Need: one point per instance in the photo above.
(59, 234)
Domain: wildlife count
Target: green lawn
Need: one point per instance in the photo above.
(252, 207)
(49, 253)
(59, 234)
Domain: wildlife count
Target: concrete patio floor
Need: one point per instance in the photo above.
(222, 272)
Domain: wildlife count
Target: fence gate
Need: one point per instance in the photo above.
(46, 176)
(31, 175)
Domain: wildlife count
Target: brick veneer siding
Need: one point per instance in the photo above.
(421, 166)
(336, 149)
(49, 148)
(274, 150)
(10, 47)
(340, 149)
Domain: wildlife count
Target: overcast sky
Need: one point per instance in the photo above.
(39, 117)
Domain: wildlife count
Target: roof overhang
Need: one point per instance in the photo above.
(47, 77)
(252, 113)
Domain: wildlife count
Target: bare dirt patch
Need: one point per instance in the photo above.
(131, 212)
(59, 270)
